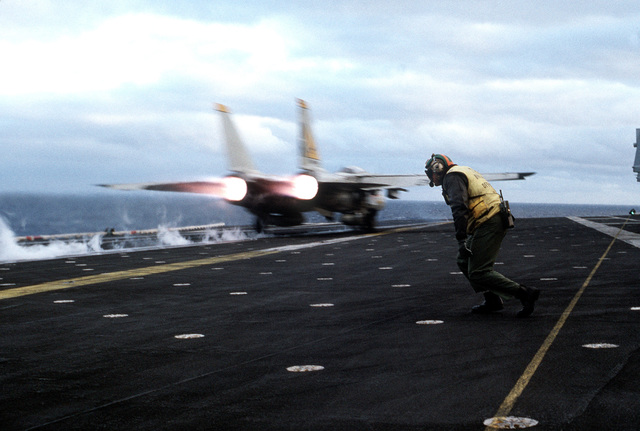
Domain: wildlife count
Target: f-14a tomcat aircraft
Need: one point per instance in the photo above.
(281, 201)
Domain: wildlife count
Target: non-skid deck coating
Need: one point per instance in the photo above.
(327, 332)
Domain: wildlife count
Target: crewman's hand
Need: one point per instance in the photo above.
(463, 250)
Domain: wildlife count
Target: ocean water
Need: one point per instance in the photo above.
(47, 214)
(50, 214)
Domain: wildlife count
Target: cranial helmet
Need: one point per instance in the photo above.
(438, 164)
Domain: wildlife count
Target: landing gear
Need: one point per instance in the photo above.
(259, 226)
(277, 219)
(369, 222)
(364, 220)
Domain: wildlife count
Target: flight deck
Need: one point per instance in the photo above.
(327, 331)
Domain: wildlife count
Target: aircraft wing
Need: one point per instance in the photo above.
(371, 181)
(400, 182)
(214, 187)
(507, 176)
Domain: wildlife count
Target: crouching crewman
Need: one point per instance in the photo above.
(480, 228)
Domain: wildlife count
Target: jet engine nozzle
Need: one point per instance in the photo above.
(234, 188)
(304, 187)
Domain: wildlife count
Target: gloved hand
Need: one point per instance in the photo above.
(463, 250)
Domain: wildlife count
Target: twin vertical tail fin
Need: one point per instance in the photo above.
(237, 154)
(309, 158)
(238, 157)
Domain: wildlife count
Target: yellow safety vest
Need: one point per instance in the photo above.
(484, 201)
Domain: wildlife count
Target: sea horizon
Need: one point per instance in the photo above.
(45, 214)
(33, 213)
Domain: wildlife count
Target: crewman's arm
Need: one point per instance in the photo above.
(456, 186)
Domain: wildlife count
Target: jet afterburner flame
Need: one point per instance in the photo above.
(304, 187)
(234, 188)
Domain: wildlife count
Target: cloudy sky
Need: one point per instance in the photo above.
(122, 91)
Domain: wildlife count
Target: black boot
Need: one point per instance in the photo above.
(528, 296)
(492, 303)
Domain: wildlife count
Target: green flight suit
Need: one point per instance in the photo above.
(486, 236)
(485, 244)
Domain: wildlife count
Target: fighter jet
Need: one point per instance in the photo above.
(281, 200)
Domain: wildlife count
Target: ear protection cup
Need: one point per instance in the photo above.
(438, 164)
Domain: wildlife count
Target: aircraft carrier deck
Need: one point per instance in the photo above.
(334, 331)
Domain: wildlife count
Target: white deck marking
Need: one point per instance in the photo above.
(178, 266)
(429, 322)
(626, 236)
(304, 368)
(188, 336)
(510, 422)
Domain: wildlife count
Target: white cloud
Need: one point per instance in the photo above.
(516, 86)
(142, 49)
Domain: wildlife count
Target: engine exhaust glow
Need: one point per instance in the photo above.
(235, 189)
(305, 187)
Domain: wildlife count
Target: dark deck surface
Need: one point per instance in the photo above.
(111, 360)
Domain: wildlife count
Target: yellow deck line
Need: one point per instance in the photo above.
(121, 275)
(159, 269)
(508, 403)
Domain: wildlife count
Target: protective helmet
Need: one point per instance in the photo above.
(439, 164)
